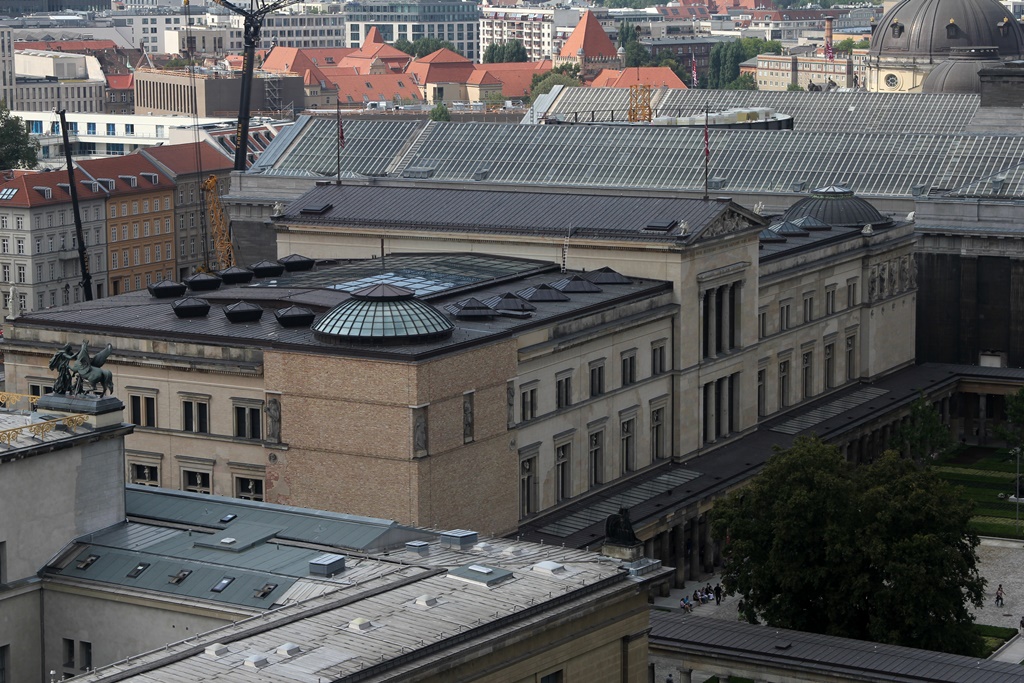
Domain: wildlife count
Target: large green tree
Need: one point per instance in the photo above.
(440, 113)
(544, 85)
(725, 59)
(17, 149)
(509, 51)
(879, 552)
(423, 46)
(922, 435)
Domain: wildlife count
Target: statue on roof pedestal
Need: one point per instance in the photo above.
(89, 369)
(61, 362)
(620, 540)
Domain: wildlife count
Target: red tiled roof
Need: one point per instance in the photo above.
(373, 36)
(121, 81)
(444, 56)
(181, 159)
(515, 77)
(442, 66)
(353, 89)
(25, 195)
(589, 37)
(480, 77)
(654, 76)
(130, 165)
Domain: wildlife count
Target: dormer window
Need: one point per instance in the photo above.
(952, 30)
(897, 29)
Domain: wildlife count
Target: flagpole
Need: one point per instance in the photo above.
(341, 133)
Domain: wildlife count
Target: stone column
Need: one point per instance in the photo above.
(982, 418)
(649, 549)
(722, 389)
(710, 412)
(679, 543)
(712, 322)
(694, 548)
(726, 317)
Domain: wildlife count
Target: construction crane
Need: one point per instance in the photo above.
(223, 250)
(254, 17)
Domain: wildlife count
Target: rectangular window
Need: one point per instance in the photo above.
(596, 378)
(248, 488)
(143, 410)
(760, 393)
(830, 366)
(145, 475)
(830, 301)
(784, 317)
(90, 129)
(196, 482)
(628, 368)
(658, 358)
(563, 465)
(247, 422)
(528, 403)
(808, 308)
(563, 391)
(68, 649)
(627, 445)
(851, 357)
(657, 433)
(195, 416)
(111, 129)
(527, 487)
(851, 293)
(595, 447)
(19, 246)
(807, 373)
(783, 383)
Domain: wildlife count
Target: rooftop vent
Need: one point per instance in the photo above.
(607, 276)
(997, 183)
(918, 190)
(509, 302)
(235, 275)
(295, 316)
(203, 282)
(512, 551)
(179, 577)
(459, 538)
(426, 601)
(191, 307)
(327, 564)
(480, 574)
(716, 183)
(661, 226)
(243, 312)
(130, 179)
(296, 262)
(360, 624)
(542, 293)
(316, 209)
(265, 590)
(46, 192)
(167, 289)
(798, 186)
(420, 172)
(419, 547)
(257, 661)
(87, 562)
(228, 541)
(216, 650)
(471, 308)
(267, 269)
(576, 285)
(136, 571)
(288, 650)
(549, 567)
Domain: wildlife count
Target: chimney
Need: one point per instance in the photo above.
(828, 30)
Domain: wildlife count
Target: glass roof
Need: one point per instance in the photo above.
(403, 320)
(369, 147)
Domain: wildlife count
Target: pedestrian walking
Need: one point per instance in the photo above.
(1022, 624)
(718, 594)
(999, 596)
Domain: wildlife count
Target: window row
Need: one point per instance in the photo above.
(141, 256)
(566, 392)
(810, 310)
(144, 204)
(197, 480)
(247, 417)
(147, 230)
(792, 387)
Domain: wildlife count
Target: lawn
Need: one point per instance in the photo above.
(984, 474)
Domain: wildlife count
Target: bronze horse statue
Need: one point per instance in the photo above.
(89, 370)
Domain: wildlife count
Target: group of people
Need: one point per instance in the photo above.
(702, 596)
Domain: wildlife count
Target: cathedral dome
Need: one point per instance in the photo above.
(959, 73)
(930, 29)
(837, 206)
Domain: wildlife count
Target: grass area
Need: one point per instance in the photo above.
(983, 475)
(994, 636)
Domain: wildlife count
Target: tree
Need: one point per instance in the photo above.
(440, 113)
(725, 59)
(848, 45)
(423, 46)
(923, 436)
(878, 552)
(17, 149)
(741, 82)
(637, 55)
(793, 87)
(509, 51)
(1013, 429)
(545, 84)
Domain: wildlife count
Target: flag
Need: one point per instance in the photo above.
(693, 71)
(707, 144)
(341, 131)
(829, 54)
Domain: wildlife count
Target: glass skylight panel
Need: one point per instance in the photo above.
(8, 192)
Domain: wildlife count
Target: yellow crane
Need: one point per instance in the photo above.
(223, 250)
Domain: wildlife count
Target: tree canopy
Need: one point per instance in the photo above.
(923, 435)
(440, 113)
(545, 84)
(879, 552)
(17, 149)
(725, 59)
(423, 46)
(509, 51)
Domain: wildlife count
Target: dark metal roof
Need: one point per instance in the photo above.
(837, 206)
(819, 655)
(505, 211)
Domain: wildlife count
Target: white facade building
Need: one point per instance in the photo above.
(535, 27)
(56, 80)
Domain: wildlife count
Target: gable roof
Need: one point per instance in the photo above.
(589, 37)
(130, 165)
(444, 56)
(515, 77)
(121, 81)
(654, 76)
(442, 66)
(20, 191)
(181, 159)
(360, 88)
